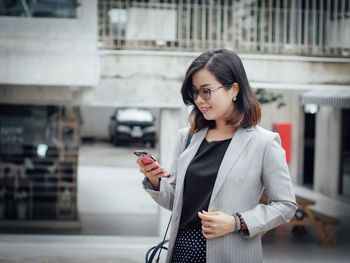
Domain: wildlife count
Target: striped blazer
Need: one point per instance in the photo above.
(254, 161)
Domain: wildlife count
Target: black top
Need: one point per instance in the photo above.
(199, 181)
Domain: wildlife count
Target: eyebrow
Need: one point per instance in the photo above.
(203, 85)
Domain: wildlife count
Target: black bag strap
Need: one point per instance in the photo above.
(189, 137)
(160, 246)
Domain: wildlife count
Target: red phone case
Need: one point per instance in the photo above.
(147, 159)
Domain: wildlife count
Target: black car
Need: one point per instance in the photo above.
(132, 125)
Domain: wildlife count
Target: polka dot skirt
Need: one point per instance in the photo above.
(189, 246)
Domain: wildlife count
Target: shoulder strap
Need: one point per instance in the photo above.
(189, 137)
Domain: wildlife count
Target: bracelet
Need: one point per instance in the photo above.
(241, 220)
(236, 223)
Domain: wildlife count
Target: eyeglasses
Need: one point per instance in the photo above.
(203, 92)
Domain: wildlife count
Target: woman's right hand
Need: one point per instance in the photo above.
(152, 175)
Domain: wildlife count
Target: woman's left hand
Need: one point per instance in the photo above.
(216, 224)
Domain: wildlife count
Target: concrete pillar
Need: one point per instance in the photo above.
(327, 150)
(171, 120)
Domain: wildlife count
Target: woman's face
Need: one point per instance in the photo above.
(220, 104)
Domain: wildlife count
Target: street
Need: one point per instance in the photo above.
(111, 200)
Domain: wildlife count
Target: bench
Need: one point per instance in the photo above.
(325, 225)
(329, 226)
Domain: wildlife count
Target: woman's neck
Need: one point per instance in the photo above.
(221, 131)
(223, 128)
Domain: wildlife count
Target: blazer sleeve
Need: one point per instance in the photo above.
(165, 195)
(278, 186)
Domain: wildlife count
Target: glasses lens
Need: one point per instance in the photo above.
(205, 94)
(193, 93)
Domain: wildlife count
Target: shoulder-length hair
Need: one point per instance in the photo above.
(228, 69)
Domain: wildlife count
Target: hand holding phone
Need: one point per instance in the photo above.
(147, 158)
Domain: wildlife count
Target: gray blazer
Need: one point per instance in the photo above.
(254, 161)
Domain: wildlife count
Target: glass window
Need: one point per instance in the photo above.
(39, 8)
(38, 162)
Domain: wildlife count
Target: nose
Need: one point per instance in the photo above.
(199, 100)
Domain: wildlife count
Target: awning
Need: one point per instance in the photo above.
(334, 98)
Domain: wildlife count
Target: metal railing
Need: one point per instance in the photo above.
(302, 27)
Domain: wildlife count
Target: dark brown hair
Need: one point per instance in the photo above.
(228, 69)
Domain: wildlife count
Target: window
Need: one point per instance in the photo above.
(38, 162)
(39, 8)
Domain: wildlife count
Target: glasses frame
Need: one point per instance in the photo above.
(193, 93)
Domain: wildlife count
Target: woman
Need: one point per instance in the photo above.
(215, 184)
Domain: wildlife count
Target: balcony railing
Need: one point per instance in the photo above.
(301, 27)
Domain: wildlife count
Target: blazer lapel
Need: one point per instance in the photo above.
(239, 141)
(185, 160)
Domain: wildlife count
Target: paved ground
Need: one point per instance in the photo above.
(278, 246)
(111, 200)
(105, 154)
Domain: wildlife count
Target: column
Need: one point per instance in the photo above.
(171, 120)
(327, 150)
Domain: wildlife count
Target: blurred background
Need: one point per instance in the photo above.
(84, 82)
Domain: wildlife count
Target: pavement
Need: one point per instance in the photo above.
(73, 248)
(278, 246)
(111, 200)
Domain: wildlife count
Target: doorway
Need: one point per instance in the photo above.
(310, 111)
(345, 155)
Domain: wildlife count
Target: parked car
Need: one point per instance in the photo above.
(132, 125)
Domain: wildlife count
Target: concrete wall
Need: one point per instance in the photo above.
(153, 79)
(151, 24)
(292, 113)
(339, 36)
(327, 150)
(296, 70)
(46, 95)
(148, 80)
(49, 51)
(137, 78)
(170, 121)
(95, 121)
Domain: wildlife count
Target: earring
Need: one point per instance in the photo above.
(235, 98)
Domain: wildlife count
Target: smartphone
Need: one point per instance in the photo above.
(147, 158)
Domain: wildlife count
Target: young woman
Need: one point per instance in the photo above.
(215, 184)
